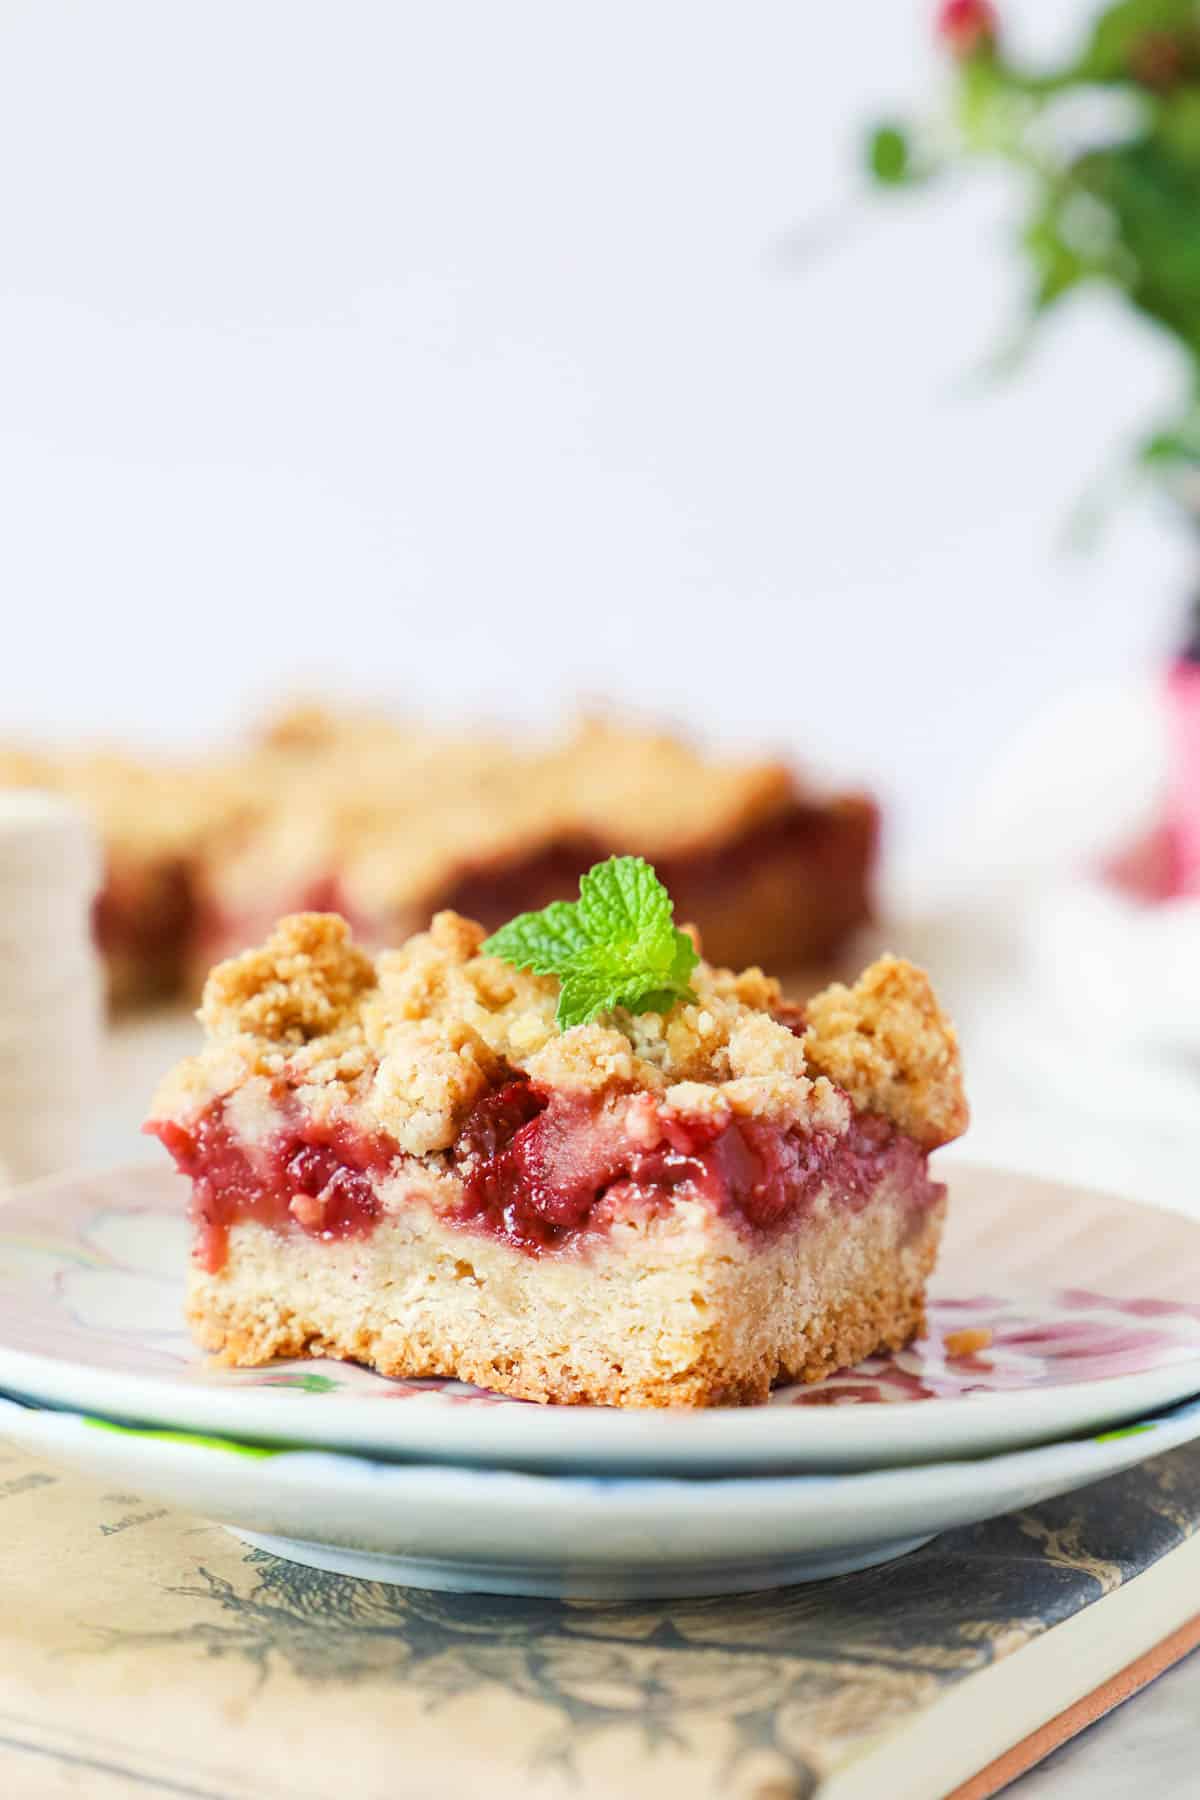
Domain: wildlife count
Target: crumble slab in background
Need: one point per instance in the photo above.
(270, 1680)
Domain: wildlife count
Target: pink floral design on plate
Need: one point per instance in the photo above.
(1069, 1335)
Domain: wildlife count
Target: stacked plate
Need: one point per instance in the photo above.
(1064, 1345)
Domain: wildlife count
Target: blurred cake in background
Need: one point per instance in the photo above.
(388, 822)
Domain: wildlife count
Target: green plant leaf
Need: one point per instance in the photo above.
(1112, 47)
(889, 156)
(1105, 144)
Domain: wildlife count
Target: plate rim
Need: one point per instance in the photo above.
(573, 1527)
(1177, 1425)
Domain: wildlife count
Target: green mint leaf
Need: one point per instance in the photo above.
(617, 946)
(622, 901)
(582, 996)
(684, 957)
(542, 941)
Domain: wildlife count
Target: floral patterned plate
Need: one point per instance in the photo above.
(581, 1537)
(1083, 1310)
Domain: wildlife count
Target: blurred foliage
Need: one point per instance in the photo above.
(1106, 145)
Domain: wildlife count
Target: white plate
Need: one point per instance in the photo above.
(599, 1537)
(1093, 1303)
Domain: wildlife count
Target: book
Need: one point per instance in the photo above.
(144, 1651)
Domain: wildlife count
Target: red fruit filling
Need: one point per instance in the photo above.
(317, 1179)
(539, 1171)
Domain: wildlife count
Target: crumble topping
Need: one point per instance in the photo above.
(387, 819)
(303, 984)
(141, 808)
(888, 1043)
(403, 811)
(407, 1043)
(655, 793)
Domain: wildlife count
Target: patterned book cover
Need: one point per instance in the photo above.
(143, 1651)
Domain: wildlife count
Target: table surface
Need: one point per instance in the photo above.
(1152, 1740)
(1148, 1744)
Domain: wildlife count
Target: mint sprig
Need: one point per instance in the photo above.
(616, 946)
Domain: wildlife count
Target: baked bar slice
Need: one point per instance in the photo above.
(391, 823)
(406, 1162)
(152, 819)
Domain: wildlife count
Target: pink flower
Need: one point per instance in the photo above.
(966, 26)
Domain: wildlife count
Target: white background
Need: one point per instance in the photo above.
(458, 353)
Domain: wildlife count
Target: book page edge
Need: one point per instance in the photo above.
(992, 1715)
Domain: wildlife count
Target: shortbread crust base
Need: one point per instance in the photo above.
(675, 1315)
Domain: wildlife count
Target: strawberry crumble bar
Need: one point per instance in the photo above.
(388, 822)
(404, 1161)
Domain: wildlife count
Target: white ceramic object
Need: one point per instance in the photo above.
(1092, 1303)
(49, 982)
(583, 1537)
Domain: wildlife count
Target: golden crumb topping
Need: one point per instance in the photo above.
(404, 812)
(147, 811)
(888, 1043)
(408, 1042)
(305, 983)
(408, 817)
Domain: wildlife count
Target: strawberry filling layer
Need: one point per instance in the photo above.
(540, 1171)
